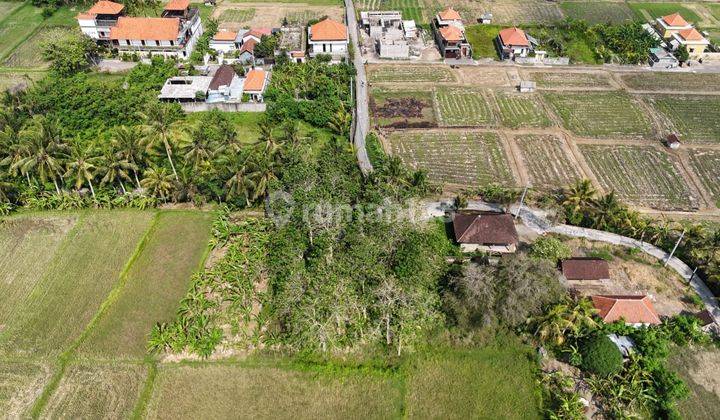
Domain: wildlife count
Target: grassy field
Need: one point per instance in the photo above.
(155, 284)
(488, 383)
(567, 80)
(680, 82)
(482, 39)
(647, 11)
(402, 107)
(411, 74)
(246, 124)
(7, 7)
(706, 164)
(640, 175)
(231, 391)
(93, 255)
(696, 118)
(463, 107)
(520, 110)
(548, 162)
(597, 12)
(20, 384)
(236, 15)
(17, 27)
(30, 52)
(463, 158)
(410, 9)
(700, 369)
(600, 114)
(97, 391)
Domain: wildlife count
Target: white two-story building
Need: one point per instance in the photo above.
(98, 20)
(328, 37)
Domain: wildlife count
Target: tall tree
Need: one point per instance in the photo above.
(82, 165)
(158, 183)
(161, 127)
(46, 150)
(127, 143)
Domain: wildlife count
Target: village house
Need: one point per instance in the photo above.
(185, 89)
(293, 43)
(223, 86)
(692, 40)
(660, 57)
(174, 35)
(585, 271)
(485, 231)
(376, 22)
(669, 25)
(450, 35)
(223, 41)
(512, 42)
(389, 32)
(328, 37)
(672, 141)
(635, 310)
(256, 82)
(98, 20)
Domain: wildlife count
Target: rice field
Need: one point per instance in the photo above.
(571, 80)
(600, 114)
(594, 12)
(236, 15)
(650, 11)
(12, 79)
(20, 385)
(231, 391)
(30, 52)
(641, 175)
(468, 158)
(706, 164)
(548, 161)
(7, 7)
(695, 118)
(17, 27)
(411, 9)
(521, 110)
(464, 107)
(92, 391)
(410, 73)
(665, 81)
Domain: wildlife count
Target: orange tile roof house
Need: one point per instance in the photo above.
(172, 35)
(450, 35)
(223, 41)
(634, 310)
(485, 231)
(670, 24)
(328, 37)
(255, 83)
(512, 42)
(690, 39)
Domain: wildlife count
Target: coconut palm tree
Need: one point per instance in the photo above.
(239, 184)
(199, 149)
(608, 211)
(563, 319)
(579, 196)
(127, 143)
(46, 150)
(161, 128)
(261, 171)
(115, 167)
(158, 182)
(82, 166)
(340, 122)
(12, 150)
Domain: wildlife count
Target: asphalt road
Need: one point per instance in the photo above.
(362, 126)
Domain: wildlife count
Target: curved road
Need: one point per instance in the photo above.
(362, 118)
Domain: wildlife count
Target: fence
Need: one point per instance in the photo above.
(223, 106)
(553, 61)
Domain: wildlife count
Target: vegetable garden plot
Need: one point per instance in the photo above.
(409, 73)
(641, 175)
(521, 110)
(548, 162)
(410, 9)
(462, 158)
(236, 15)
(706, 164)
(571, 80)
(696, 118)
(600, 114)
(680, 82)
(461, 107)
(597, 12)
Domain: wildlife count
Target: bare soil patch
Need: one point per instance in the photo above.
(271, 15)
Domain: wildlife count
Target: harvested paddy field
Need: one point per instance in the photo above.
(706, 164)
(154, 286)
(235, 15)
(20, 384)
(640, 175)
(695, 118)
(547, 160)
(668, 81)
(468, 158)
(228, 391)
(410, 9)
(462, 107)
(699, 367)
(30, 53)
(571, 80)
(600, 114)
(594, 12)
(92, 391)
(410, 74)
(17, 26)
(521, 110)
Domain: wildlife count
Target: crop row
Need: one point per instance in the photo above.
(547, 160)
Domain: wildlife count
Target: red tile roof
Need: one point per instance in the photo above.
(485, 228)
(585, 269)
(248, 46)
(674, 20)
(258, 32)
(451, 33)
(673, 138)
(254, 80)
(449, 14)
(142, 28)
(177, 5)
(691, 35)
(104, 7)
(224, 35)
(632, 309)
(514, 36)
(328, 30)
(223, 77)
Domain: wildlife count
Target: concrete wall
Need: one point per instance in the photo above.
(226, 107)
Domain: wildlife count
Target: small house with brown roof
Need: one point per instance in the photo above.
(450, 35)
(485, 231)
(585, 271)
(225, 86)
(671, 24)
(97, 21)
(673, 141)
(512, 42)
(635, 310)
(328, 37)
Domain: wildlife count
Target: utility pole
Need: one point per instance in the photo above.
(692, 275)
(675, 248)
(522, 200)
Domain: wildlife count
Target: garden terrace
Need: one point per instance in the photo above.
(402, 109)
(695, 118)
(468, 158)
(547, 160)
(641, 175)
(706, 164)
(521, 110)
(600, 114)
(571, 80)
(464, 107)
(680, 82)
(410, 74)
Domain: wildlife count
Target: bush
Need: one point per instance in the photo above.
(601, 356)
(550, 248)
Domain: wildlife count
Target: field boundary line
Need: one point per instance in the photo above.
(67, 355)
(14, 12)
(147, 392)
(22, 41)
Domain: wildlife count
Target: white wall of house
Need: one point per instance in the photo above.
(223, 46)
(90, 28)
(335, 48)
(488, 248)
